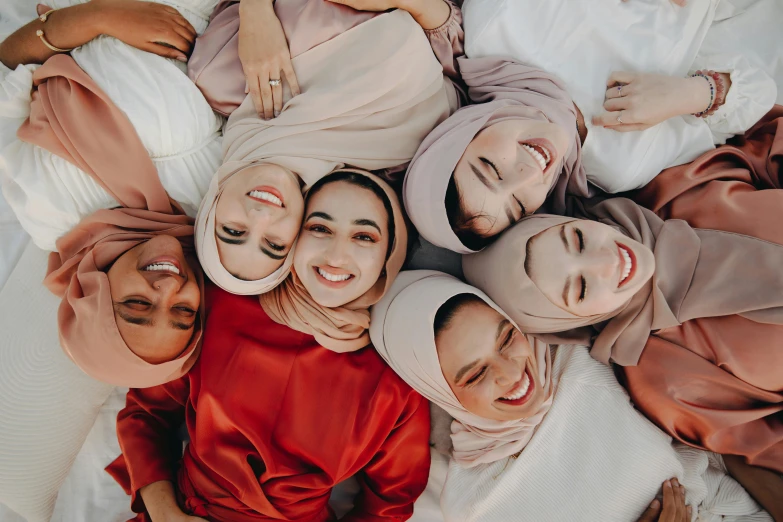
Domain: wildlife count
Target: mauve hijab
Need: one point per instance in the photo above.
(698, 273)
(402, 332)
(368, 106)
(500, 89)
(72, 118)
(341, 329)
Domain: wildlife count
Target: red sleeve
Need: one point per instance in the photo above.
(398, 473)
(448, 42)
(147, 431)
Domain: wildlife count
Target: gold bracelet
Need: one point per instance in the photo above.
(40, 34)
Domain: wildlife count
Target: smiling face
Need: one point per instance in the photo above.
(489, 365)
(507, 170)
(343, 243)
(257, 219)
(156, 298)
(588, 268)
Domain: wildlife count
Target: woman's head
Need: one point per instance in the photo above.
(505, 173)
(257, 219)
(489, 365)
(156, 297)
(346, 238)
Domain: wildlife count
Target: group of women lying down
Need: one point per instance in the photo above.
(244, 276)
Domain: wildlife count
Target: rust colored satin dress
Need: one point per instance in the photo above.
(717, 383)
(275, 422)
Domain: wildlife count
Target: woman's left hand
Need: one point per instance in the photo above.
(639, 101)
(369, 5)
(429, 14)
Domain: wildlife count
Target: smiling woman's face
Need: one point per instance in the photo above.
(507, 170)
(342, 247)
(156, 298)
(489, 365)
(257, 219)
(588, 268)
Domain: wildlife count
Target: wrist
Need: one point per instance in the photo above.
(256, 6)
(99, 18)
(699, 95)
(429, 14)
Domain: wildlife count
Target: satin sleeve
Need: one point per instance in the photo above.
(147, 431)
(398, 473)
(751, 95)
(448, 42)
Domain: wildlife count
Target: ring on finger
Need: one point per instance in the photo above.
(619, 118)
(619, 90)
(274, 83)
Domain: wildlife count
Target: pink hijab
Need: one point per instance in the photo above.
(500, 89)
(345, 328)
(698, 273)
(71, 117)
(402, 332)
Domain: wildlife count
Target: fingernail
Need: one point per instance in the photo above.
(655, 504)
(675, 483)
(667, 484)
(182, 58)
(277, 113)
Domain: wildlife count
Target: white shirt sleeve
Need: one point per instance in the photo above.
(15, 94)
(751, 95)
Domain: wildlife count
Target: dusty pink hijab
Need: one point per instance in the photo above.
(402, 332)
(71, 117)
(345, 328)
(698, 273)
(500, 89)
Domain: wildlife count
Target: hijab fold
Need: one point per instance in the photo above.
(501, 89)
(345, 328)
(698, 273)
(71, 117)
(366, 106)
(402, 332)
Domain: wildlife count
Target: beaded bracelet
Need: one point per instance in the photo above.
(719, 95)
(40, 34)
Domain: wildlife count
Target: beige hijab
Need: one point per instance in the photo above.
(71, 117)
(369, 97)
(342, 329)
(698, 273)
(402, 332)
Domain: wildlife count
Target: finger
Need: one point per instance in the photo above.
(165, 51)
(290, 77)
(612, 119)
(277, 95)
(183, 22)
(652, 512)
(619, 91)
(170, 37)
(680, 502)
(254, 85)
(630, 127)
(184, 33)
(618, 104)
(620, 77)
(669, 506)
(688, 513)
(42, 8)
(266, 97)
(680, 3)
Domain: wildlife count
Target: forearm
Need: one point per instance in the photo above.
(65, 28)
(765, 486)
(160, 500)
(429, 14)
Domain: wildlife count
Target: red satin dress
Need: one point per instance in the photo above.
(717, 383)
(275, 422)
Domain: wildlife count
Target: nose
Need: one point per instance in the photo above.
(167, 285)
(336, 254)
(601, 263)
(509, 371)
(262, 216)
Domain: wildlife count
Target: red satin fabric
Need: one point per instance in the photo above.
(717, 383)
(275, 422)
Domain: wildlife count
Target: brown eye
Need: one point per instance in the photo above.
(233, 232)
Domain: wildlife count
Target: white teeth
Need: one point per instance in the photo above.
(162, 267)
(521, 391)
(333, 277)
(266, 196)
(628, 264)
(542, 161)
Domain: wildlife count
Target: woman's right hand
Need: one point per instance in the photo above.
(148, 26)
(673, 508)
(263, 51)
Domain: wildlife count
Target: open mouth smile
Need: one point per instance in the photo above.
(333, 278)
(521, 392)
(627, 265)
(541, 151)
(267, 195)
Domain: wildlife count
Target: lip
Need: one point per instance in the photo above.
(271, 190)
(545, 144)
(624, 282)
(336, 271)
(526, 397)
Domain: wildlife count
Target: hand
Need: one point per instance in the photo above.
(639, 101)
(263, 51)
(148, 26)
(369, 5)
(674, 508)
(429, 14)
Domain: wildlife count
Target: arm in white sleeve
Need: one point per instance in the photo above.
(15, 95)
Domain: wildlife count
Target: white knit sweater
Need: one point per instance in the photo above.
(594, 458)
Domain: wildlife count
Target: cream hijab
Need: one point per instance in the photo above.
(401, 329)
(369, 97)
(698, 273)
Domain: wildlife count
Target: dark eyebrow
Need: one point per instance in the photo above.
(141, 321)
(563, 237)
(276, 257)
(322, 215)
(464, 370)
(231, 241)
(482, 178)
(367, 223)
(181, 326)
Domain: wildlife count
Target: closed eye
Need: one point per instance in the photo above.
(275, 246)
(492, 166)
(477, 377)
(584, 289)
(581, 239)
(233, 232)
(521, 207)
